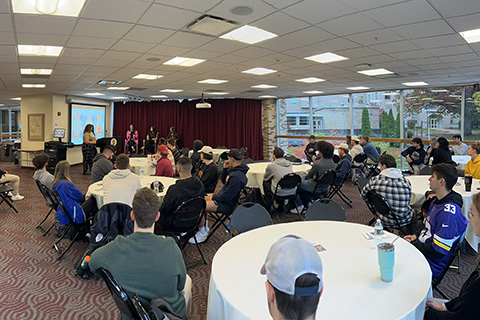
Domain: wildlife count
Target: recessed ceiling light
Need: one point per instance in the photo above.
(118, 88)
(183, 62)
(313, 92)
(249, 34)
(159, 96)
(119, 98)
(16, 99)
(267, 97)
(171, 90)
(69, 8)
(440, 90)
(34, 50)
(326, 57)
(310, 80)
(28, 85)
(147, 76)
(36, 71)
(259, 71)
(375, 72)
(94, 94)
(471, 36)
(218, 93)
(413, 84)
(264, 86)
(1, 104)
(241, 10)
(358, 88)
(153, 59)
(212, 81)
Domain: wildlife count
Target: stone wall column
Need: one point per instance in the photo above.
(269, 126)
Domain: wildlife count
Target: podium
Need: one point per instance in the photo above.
(57, 151)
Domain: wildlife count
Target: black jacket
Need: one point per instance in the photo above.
(234, 181)
(442, 156)
(208, 174)
(197, 145)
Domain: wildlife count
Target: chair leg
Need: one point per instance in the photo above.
(69, 246)
(442, 293)
(199, 250)
(7, 200)
(344, 198)
(40, 224)
(48, 230)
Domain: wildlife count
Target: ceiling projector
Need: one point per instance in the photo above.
(203, 105)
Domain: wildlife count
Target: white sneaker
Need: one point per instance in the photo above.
(10, 194)
(17, 197)
(201, 235)
(297, 209)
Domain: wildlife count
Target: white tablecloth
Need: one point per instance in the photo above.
(137, 164)
(420, 184)
(353, 289)
(257, 171)
(96, 189)
(216, 153)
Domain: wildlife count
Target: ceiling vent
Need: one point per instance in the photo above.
(212, 26)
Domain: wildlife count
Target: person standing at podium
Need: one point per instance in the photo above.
(89, 150)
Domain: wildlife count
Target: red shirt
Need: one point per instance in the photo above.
(164, 168)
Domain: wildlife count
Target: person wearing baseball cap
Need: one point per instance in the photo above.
(344, 165)
(208, 172)
(164, 166)
(294, 279)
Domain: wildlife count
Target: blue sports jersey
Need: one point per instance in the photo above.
(444, 224)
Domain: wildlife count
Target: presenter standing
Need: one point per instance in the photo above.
(89, 150)
(132, 139)
(173, 134)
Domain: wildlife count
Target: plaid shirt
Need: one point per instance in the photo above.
(397, 191)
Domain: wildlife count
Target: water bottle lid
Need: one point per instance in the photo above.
(87, 258)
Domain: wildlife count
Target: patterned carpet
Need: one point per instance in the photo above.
(34, 285)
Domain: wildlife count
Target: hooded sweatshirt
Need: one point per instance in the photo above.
(276, 171)
(444, 224)
(120, 186)
(182, 190)
(45, 177)
(101, 167)
(197, 145)
(234, 180)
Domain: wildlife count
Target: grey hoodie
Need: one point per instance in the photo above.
(45, 177)
(120, 186)
(275, 171)
(101, 167)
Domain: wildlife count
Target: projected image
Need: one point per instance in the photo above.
(81, 115)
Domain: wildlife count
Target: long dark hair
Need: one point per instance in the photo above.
(443, 143)
(89, 128)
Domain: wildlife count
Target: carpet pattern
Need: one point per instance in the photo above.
(34, 285)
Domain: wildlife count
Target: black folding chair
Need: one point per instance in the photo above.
(335, 158)
(378, 204)
(249, 216)
(327, 179)
(359, 160)
(293, 159)
(337, 190)
(130, 307)
(4, 195)
(220, 218)
(50, 203)
(361, 183)
(326, 209)
(289, 182)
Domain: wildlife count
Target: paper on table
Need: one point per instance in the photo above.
(370, 235)
(319, 247)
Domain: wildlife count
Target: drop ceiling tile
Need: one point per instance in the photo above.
(421, 62)
(8, 67)
(44, 39)
(231, 59)
(439, 41)
(375, 37)
(90, 42)
(4, 7)
(44, 24)
(100, 70)
(314, 11)
(8, 50)
(334, 45)
(199, 6)
(7, 38)
(280, 4)
(187, 40)
(369, 4)
(448, 51)
(465, 23)
(454, 8)
(81, 53)
(351, 24)
(280, 23)
(5, 23)
(424, 29)
(115, 10)
(253, 52)
(414, 54)
(120, 55)
(358, 52)
(223, 45)
(463, 64)
(101, 29)
(168, 51)
(278, 44)
(34, 59)
(148, 34)
(68, 69)
(132, 46)
(204, 54)
(168, 17)
(308, 35)
(260, 10)
(111, 63)
(461, 57)
(397, 46)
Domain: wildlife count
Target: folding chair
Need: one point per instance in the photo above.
(326, 209)
(361, 183)
(337, 190)
(50, 203)
(335, 158)
(425, 171)
(327, 179)
(111, 220)
(288, 182)
(130, 307)
(185, 151)
(249, 216)
(293, 159)
(186, 221)
(243, 150)
(220, 218)
(4, 191)
(247, 161)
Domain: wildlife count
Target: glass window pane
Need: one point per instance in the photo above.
(293, 116)
(331, 115)
(472, 114)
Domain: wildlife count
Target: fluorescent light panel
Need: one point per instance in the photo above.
(36, 71)
(16, 99)
(171, 90)
(249, 34)
(413, 84)
(218, 93)
(267, 97)
(118, 98)
(439, 90)
(375, 72)
(69, 8)
(259, 71)
(264, 86)
(37, 86)
(313, 92)
(310, 80)
(159, 96)
(358, 88)
(212, 81)
(93, 94)
(147, 76)
(35, 50)
(326, 57)
(183, 62)
(471, 36)
(118, 88)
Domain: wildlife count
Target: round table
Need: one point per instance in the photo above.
(420, 184)
(257, 171)
(353, 289)
(96, 189)
(216, 153)
(137, 164)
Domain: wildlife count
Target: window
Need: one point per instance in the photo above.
(291, 121)
(304, 121)
(433, 123)
(331, 115)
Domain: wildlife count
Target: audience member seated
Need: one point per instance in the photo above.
(170, 156)
(473, 166)
(132, 139)
(5, 177)
(369, 150)
(356, 150)
(320, 166)
(208, 173)
(310, 148)
(395, 188)
(196, 163)
(175, 152)
(294, 279)
(442, 154)
(164, 166)
(431, 150)
(444, 222)
(466, 305)
(121, 184)
(459, 148)
(150, 143)
(145, 264)
(344, 165)
(415, 156)
(273, 173)
(41, 174)
(184, 189)
(102, 164)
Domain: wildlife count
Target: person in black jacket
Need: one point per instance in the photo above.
(415, 156)
(197, 145)
(186, 188)
(208, 172)
(466, 305)
(442, 153)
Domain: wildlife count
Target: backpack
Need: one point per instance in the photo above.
(161, 310)
(251, 195)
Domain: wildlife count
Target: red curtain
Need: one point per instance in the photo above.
(233, 123)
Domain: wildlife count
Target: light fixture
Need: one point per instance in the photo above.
(147, 76)
(16, 99)
(39, 50)
(358, 88)
(1, 104)
(212, 81)
(220, 93)
(171, 90)
(439, 90)
(36, 71)
(259, 71)
(310, 80)
(471, 36)
(313, 92)
(28, 85)
(413, 84)
(183, 62)
(264, 86)
(213, 26)
(267, 97)
(326, 57)
(375, 72)
(249, 34)
(159, 96)
(118, 88)
(93, 94)
(119, 98)
(437, 100)
(69, 8)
